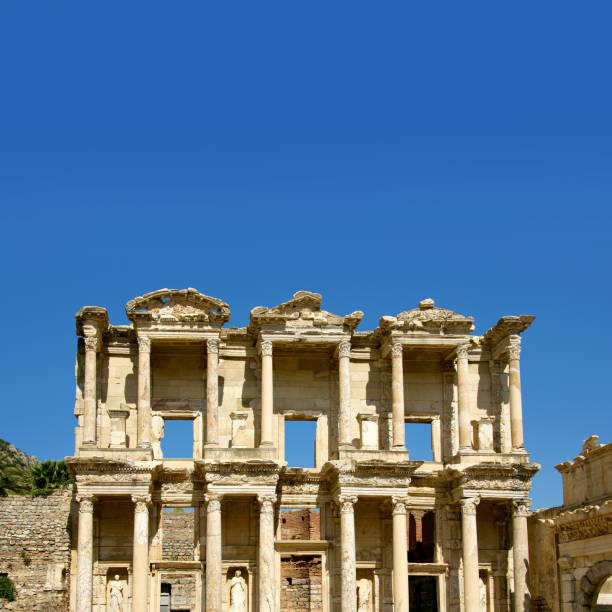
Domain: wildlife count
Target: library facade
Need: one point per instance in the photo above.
(229, 526)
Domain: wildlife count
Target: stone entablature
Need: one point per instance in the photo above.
(239, 387)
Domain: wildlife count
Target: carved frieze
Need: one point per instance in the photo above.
(587, 528)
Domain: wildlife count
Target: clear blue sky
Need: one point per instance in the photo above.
(378, 153)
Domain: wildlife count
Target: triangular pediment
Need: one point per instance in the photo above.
(178, 305)
(302, 310)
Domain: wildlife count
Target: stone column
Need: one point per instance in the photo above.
(140, 562)
(516, 405)
(463, 382)
(344, 373)
(213, 553)
(84, 586)
(267, 393)
(212, 392)
(471, 582)
(520, 553)
(400, 556)
(266, 562)
(348, 570)
(397, 395)
(144, 391)
(436, 439)
(89, 390)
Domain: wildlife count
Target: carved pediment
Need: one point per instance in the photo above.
(303, 310)
(428, 318)
(173, 306)
(507, 326)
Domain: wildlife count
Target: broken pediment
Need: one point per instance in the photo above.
(302, 311)
(173, 306)
(430, 319)
(507, 326)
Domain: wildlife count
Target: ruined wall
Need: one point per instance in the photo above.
(301, 525)
(178, 535)
(35, 551)
(301, 583)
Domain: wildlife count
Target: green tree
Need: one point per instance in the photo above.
(7, 589)
(12, 480)
(46, 477)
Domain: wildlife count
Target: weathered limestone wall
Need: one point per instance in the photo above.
(35, 551)
(178, 535)
(301, 583)
(115, 530)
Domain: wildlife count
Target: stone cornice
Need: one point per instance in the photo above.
(492, 476)
(589, 453)
(505, 327)
(98, 466)
(93, 317)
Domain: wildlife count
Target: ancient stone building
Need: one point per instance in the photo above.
(571, 545)
(443, 535)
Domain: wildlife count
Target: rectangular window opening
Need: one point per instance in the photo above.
(418, 440)
(178, 527)
(301, 585)
(421, 536)
(177, 442)
(300, 524)
(300, 443)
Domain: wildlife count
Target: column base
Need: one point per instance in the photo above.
(144, 445)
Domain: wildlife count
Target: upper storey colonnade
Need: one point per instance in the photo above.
(470, 390)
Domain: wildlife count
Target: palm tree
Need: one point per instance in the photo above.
(11, 479)
(47, 476)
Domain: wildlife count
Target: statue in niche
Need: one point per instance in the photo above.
(115, 595)
(363, 595)
(238, 593)
(157, 426)
(483, 595)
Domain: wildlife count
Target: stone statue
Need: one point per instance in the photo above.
(238, 593)
(363, 595)
(483, 596)
(157, 426)
(115, 596)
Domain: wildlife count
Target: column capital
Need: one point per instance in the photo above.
(462, 350)
(344, 348)
(266, 502)
(212, 345)
(400, 504)
(520, 507)
(397, 350)
(141, 502)
(346, 502)
(213, 502)
(468, 505)
(91, 343)
(86, 503)
(144, 344)
(265, 348)
(514, 351)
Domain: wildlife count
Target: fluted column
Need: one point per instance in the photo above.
(266, 563)
(516, 403)
(84, 586)
(212, 392)
(347, 551)
(463, 384)
(140, 562)
(267, 393)
(213, 553)
(89, 390)
(397, 395)
(520, 552)
(144, 391)
(471, 583)
(344, 372)
(400, 556)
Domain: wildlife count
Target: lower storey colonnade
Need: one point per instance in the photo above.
(345, 565)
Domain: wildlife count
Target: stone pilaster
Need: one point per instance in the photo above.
(266, 563)
(516, 402)
(348, 569)
(397, 396)
(144, 391)
(471, 583)
(267, 393)
(344, 379)
(520, 553)
(213, 553)
(400, 556)
(463, 384)
(89, 390)
(436, 438)
(140, 562)
(212, 392)
(84, 587)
